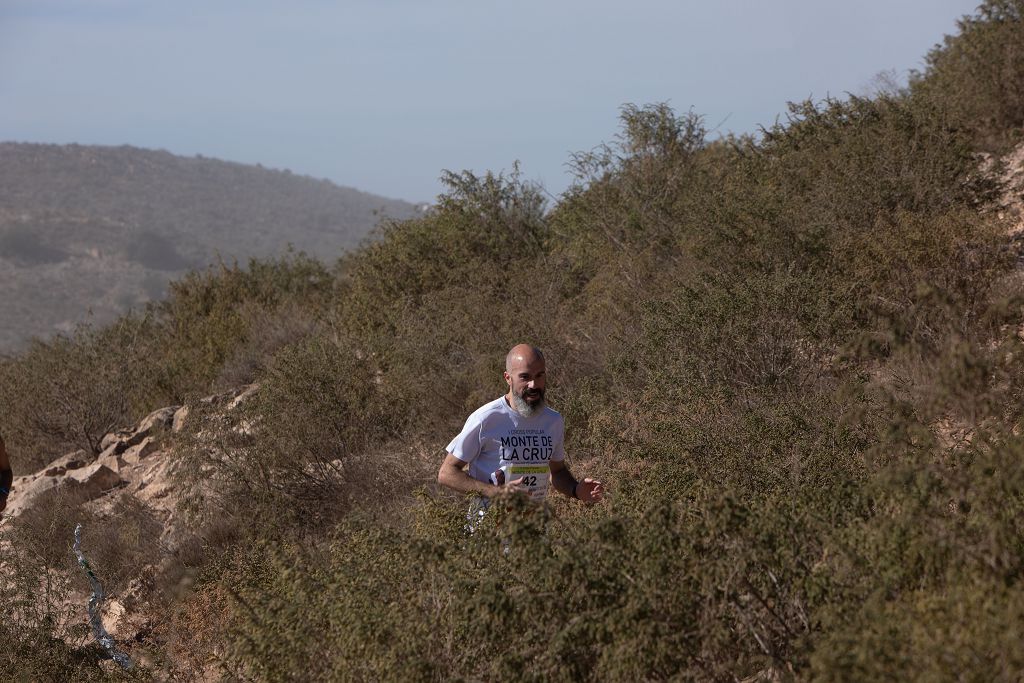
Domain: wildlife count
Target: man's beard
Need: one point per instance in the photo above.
(525, 409)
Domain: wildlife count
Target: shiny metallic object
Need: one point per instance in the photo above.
(105, 640)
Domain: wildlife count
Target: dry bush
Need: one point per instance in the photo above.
(216, 318)
(268, 331)
(68, 393)
(123, 544)
(46, 634)
(977, 75)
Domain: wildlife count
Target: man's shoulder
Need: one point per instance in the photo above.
(552, 414)
(495, 407)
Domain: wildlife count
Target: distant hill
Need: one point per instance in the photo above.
(102, 229)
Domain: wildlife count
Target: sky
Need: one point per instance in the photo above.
(383, 95)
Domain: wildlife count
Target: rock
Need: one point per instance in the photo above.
(154, 485)
(232, 398)
(93, 481)
(141, 450)
(116, 442)
(112, 460)
(71, 461)
(243, 396)
(135, 439)
(123, 440)
(25, 495)
(113, 614)
(133, 468)
(85, 483)
(109, 667)
(158, 419)
(114, 449)
(108, 440)
(178, 422)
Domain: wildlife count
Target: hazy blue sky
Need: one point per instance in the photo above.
(383, 94)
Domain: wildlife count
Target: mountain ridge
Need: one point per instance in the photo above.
(102, 229)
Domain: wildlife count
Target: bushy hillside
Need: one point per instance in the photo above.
(795, 361)
(104, 229)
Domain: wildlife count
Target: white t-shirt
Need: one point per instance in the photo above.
(497, 437)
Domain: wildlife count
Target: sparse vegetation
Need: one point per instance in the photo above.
(88, 233)
(795, 361)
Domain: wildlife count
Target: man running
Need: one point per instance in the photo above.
(514, 443)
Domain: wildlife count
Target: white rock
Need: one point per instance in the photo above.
(112, 460)
(178, 422)
(141, 450)
(161, 419)
(244, 396)
(93, 481)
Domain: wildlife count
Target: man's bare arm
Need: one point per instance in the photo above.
(453, 474)
(588, 490)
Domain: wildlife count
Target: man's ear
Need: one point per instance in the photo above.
(508, 378)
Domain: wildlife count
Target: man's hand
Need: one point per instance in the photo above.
(454, 475)
(590, 490)
(509, 488)
(587, 490)
(515, 486)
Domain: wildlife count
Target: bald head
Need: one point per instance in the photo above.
(524, 354)
(526, 375)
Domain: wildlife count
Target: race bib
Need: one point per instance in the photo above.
(535, 478)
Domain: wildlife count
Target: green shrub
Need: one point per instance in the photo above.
(482, 224)
(632, 194)
(717, 592)
(977, 75)
(68, 393)
(795, 361)
(933, 575)
(214, 322)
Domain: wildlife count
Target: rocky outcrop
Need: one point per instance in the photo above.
(136, 464)
(1008, 170)
(67, 475)
(122, 463)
